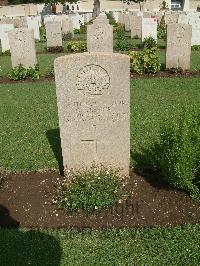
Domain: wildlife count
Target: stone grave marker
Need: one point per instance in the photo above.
(149, 28)
(100, 36)
(136, 26)
(53, 34)
(127, 22)
(67, 26)
(4, 29)
(195, 23)
(33, 23)
(178, 46)
(22, 47)
(93, 96)
(121, 18)
(171, 18)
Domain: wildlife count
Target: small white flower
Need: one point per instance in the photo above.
(96, 207)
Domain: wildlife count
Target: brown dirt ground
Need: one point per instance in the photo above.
(160, 74)
(26, 201)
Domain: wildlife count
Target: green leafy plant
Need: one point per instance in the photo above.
(76, 46)
(42, 34)
(122, 45)
(195, 47)
(7, 52)
(146, 61)
(19, 72)
(89, 190)
(50, 71)
(83, 29)
(111, 19)
(149, 43)
(162, 31)
(67, 36)
(120, 33)
(179, 152)
(76, 31)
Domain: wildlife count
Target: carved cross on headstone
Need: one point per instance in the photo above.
(92, 141)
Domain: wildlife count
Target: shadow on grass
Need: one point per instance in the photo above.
(53, 136)
(5, 220)
(27, 247)
(146, 166)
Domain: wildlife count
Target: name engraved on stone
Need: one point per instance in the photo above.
(92, 80)
(96, 112)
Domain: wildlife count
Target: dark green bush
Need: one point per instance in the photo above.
(149, 43)
(83, 29)
(42, 34)
(196, 47)
(76, 31)
(146, 61)
(89, 190)
(19, 72)
(76, 46)
(7, 52)
(179, 152)
(111, 19)
(162, 31)
(122, 45)
(120, 33)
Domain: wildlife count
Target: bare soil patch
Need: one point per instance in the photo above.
(26, 201)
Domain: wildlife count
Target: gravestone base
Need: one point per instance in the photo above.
(57, 49)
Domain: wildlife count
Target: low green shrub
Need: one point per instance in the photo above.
(146, 61)
(149, 43)
(76, 31)
(162, 31)
(76, 46)
(111, 19)
(42, 34)
(19, 72)
(195, 47)
(7, 52)
(179, 152)
(89, 190)
(83, 29)
(120, 33)
(67, 36)
(122, 45)
(50, 71)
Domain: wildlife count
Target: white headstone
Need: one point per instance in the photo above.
(4, 29)
(149, 28)
(93, 96)
(22, 47)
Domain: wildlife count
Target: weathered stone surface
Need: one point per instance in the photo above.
(4, 29)
(195, 23)
(22, 47)
(178, 46)
(53, 34)
(127, 22)
(136, 26)
(67, 26)
(33, 23)
(171, 18)
(149, 28)
(100, 36)
(93, 106)
(121, 18)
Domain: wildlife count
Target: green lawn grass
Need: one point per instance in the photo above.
(46, 61)
(29, 120)
(153, 247)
